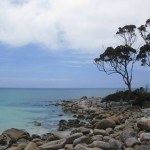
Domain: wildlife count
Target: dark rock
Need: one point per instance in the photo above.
(128, 133)
(36, 123)
(84, 97)
(109, 131)
(143, 147)
(100, 132)
(96, 138)
(81, 116)
(100, 144)
(52, 138)
(72, 137)
(82, 139)
(131, 142)
(107, 138)
(105, 123)
(45, 137)
(63, 124)
(3, 140)
(35, 136)
(115, 144)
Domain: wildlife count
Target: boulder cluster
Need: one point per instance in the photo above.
(93, 128)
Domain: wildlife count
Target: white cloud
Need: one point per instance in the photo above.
(80, 25)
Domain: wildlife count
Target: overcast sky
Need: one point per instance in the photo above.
(52, 43)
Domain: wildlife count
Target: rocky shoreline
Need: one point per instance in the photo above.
(93, 128)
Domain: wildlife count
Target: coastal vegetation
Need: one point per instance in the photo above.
(139, 97)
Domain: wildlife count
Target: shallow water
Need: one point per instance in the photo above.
(19, 108)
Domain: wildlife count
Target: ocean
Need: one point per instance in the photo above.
(20, 108)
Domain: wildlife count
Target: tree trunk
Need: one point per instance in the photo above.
(129, 87)
(130, 90)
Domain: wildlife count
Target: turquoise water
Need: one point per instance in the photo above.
(19, 108)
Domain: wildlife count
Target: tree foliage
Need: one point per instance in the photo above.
(127, 34)
(144, 53)
(121, 59)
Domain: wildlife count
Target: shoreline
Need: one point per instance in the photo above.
(93, 127)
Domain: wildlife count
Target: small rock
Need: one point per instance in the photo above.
(83, 147)
(82, 139)
(145, 136)
(84, 130)
(119, 127)
(36, 123)
(96, 138)
(68, 147)
(131, 142)
(100, 132)
(36, 140)
(100, 144)
(107, 138)
(143, 147)
(115, 119)
(83, 97)
(72, 137)
(109, 131)
(80, 147)
(116, 144)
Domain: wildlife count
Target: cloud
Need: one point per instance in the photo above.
(79, 25)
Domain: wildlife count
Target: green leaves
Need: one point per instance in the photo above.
(126, 29)
(144, 55)
(127, 34)
(120, 54)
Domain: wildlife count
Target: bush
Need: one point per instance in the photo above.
(140, 96)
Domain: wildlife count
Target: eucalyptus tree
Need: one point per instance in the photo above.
(121, 59)
(144, 53)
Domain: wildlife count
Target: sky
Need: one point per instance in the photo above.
(53, 43)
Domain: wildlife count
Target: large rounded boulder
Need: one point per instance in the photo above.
(53, 145)
(16, 134)
(144, 124)
(105, 123)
